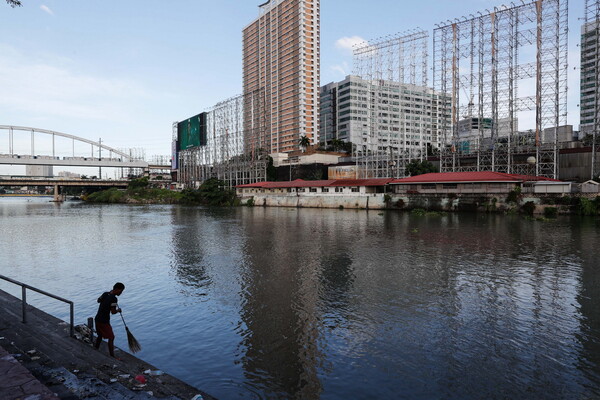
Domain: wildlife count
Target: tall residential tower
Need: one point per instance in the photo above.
(281, 75)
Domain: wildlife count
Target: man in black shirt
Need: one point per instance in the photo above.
(108, 305)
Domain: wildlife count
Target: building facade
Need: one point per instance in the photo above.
(281, 62)
(589, 77)
(382, 116)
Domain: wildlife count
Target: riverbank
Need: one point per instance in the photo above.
(477, 203)
(72, 367)
(212, 193)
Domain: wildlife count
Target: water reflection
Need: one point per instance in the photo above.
(287, 303)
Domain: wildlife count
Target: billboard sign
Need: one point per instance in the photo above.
(192, 132)
(342, 172)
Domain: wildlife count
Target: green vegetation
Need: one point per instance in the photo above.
(419, 168)
(550, 212)
(212, 193)
(589, 207)
(112, 195)
(514, 195)
(528, 208)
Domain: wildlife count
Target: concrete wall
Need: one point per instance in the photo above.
(371, 202)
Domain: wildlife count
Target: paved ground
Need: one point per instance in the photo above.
(73, 368)
(16, 382)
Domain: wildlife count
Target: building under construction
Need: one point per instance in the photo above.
(212, 145)
(590, 79)
(399, 113)
(505, 73)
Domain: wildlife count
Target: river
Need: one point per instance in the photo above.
(271, 303)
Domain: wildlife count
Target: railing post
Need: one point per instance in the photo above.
(72, 307)
(24, 302)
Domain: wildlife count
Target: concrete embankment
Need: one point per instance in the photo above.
(72, 368)
(486, 202)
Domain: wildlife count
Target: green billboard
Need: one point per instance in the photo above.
(192, 132)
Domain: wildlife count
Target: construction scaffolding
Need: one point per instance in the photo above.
(590, 75)
(500, 69)
(387, 64)
(224, 155)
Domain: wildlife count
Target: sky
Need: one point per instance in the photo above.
(124, 71)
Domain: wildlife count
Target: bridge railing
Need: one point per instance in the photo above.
(24, 288)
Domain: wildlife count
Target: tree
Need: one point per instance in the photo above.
(14, 3)
(304, 142)
(419, 168)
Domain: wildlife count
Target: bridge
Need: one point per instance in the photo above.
(113, 158)
(57, 183)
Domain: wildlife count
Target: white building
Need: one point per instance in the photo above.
(589, 81)
(381, 115)
(39, 170)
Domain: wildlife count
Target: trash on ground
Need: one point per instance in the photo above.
(140, 378)
(32, 352)
(35, 358)
(198, 397)
(154, 373)
(113, 380)
(124, 376)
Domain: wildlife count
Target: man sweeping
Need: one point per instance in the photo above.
(108, 305)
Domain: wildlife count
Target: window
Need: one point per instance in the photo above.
(450, 186)
(289, 190)
(313, 190)
(355, 190)
(428, 186)
(325, 190)
(301, 189)
(339, 189)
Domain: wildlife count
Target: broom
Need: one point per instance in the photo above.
(134, 345)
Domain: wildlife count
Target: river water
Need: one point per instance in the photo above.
(275, 303)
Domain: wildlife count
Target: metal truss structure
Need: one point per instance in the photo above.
(499, 68)
(386, 64)
(224, 156)
(591, 73)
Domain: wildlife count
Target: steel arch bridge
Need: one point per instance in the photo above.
(116, 158)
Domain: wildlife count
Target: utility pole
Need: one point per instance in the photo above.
(100, 157)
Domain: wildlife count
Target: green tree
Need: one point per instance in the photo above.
(14, 3)
(417, 167)
(304, 142)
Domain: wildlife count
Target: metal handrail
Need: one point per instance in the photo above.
(24, 288)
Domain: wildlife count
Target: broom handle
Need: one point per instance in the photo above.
(121, 314)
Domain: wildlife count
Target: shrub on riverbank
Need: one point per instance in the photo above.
(213, 192)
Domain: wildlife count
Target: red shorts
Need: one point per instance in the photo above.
(104, 330)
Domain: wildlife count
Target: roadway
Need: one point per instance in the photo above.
(63, 182)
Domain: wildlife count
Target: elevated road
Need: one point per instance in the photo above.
(62, 182)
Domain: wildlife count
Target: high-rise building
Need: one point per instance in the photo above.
(382, 116)
(39, 170)
(589, 77)
(281, 50)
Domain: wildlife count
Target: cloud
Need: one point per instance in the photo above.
(341, 69)
(46, 88)
(347, 43)
(47, 9)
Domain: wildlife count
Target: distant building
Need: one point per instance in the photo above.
(67, 174)
(39, 170)
(281, 63)
(382, 115)
(589, 78)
